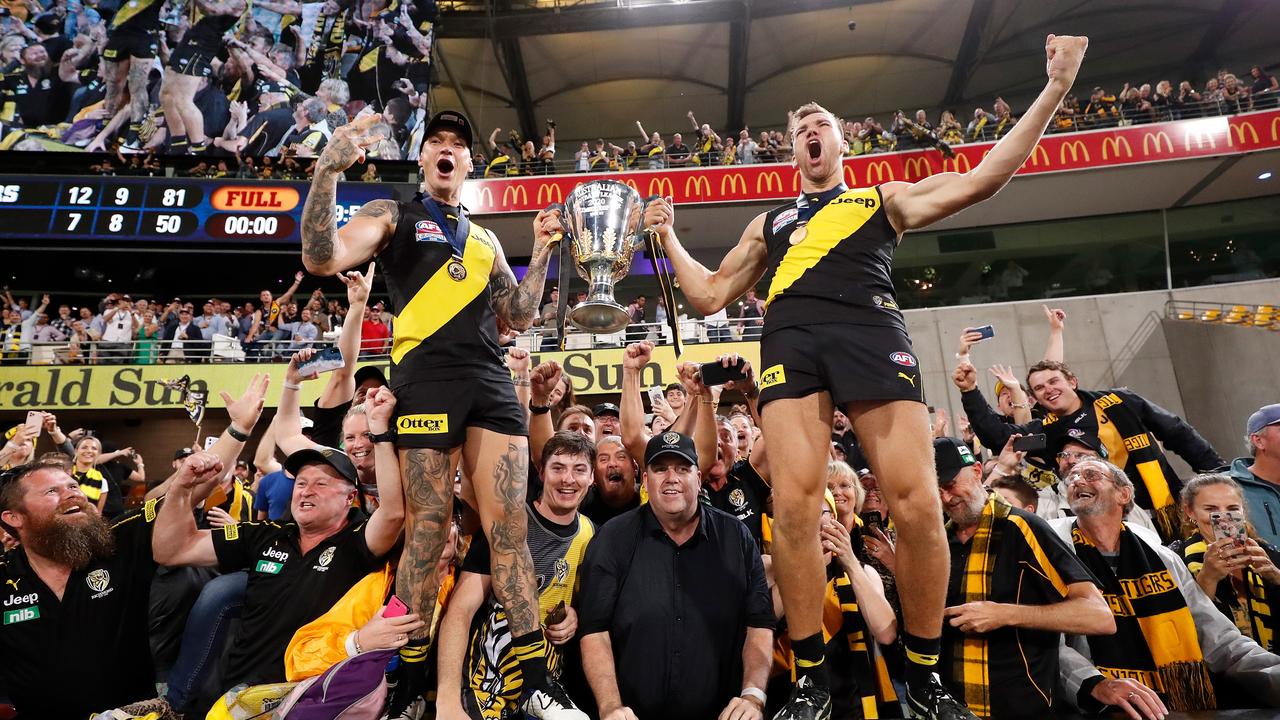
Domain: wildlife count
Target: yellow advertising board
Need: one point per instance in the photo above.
(141, 387)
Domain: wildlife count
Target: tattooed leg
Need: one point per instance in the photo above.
(428, 494)
(114, 76)
(498, 466)
(139, 68)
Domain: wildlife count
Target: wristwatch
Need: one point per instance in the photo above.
(539, 409)
(388, 436)
(236, 434)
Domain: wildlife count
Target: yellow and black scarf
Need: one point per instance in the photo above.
(969, 656)
(92, 483)
(1251, 604)
(1132, 447)
(1155, 641)
(875, 694)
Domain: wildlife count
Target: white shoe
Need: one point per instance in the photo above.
(552, 703)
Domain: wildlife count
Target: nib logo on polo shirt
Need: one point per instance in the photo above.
(272, 563)
(21, 615)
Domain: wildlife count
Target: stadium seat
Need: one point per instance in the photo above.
(1186, 315)
(1239, 314)
(226, 347)
(1265, 316)
(1211, 316)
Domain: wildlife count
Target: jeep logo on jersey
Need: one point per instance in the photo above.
(98, 580)
(22, 599)
(904, 359)
(21, 615)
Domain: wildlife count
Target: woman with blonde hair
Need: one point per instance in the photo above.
(1235, 568)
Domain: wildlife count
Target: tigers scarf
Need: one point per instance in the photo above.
(1132, 447)
(1253, 609)
(875, 690)
(969, 658)
(1155, 640)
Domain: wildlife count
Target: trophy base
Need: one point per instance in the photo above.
(599, 317)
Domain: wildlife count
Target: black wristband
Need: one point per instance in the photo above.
(388, 436)
(236, 434)
(539, 409)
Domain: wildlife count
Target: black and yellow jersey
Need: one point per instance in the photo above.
(92, 483)
(137, 15)
(208, 30)
(445, 325)
(838, 268)
(491, 672)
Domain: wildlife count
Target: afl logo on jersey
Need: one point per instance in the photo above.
(428, 231)
(904, 359)
(784, 218)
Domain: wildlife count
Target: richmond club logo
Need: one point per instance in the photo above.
(671, 438)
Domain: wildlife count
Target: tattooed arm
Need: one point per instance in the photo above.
(517, 305)
(326, 250)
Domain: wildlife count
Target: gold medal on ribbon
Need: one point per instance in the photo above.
(457, 271)
(798, 235)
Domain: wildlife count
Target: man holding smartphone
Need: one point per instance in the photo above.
(833, 336)
(450, 285)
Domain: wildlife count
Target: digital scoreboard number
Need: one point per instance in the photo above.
(163, 209)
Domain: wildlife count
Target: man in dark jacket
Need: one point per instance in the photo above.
(1132, 428)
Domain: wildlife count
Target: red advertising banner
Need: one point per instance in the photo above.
(1178, 140)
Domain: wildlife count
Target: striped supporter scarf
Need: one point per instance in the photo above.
(1155, 641)
(1246, 602)
(969, 654)
(875, 690)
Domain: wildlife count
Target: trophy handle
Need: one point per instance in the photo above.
(643, 234)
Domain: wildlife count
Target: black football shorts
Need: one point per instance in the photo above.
(851, 362)
(435, 414)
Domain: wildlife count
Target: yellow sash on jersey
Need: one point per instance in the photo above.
(441, 297)
(835, 221)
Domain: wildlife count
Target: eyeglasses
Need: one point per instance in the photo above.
(1069, 455)
(1092, 476)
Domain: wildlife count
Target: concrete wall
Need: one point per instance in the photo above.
(1119, 340)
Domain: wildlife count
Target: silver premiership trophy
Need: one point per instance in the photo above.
(602, 221)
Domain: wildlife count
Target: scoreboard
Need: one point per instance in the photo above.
(158, 209)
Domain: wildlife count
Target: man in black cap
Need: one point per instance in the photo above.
(1004, 623)
(608, 420)
(450, 287)
(298, 570)
(676, 618)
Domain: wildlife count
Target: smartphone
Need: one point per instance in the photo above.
(1027, 443)
(395, 608)
(326, 360)
(209, 441)
(986, 331)
(35, 421)
(656, 395)
(873, 519)
(557, 614)
(713, 373)
(1229, 524)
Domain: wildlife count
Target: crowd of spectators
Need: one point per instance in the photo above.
(122, 329)
(225, 79)
(267, 87)
(650, 524)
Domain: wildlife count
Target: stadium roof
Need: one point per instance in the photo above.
(598, 66)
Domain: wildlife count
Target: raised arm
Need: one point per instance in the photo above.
(387, 521)
(176, 540)
(708, 291)
(630, 406)
(327, 250)
(288, 294)
(643, 135)
(912, 206)
(341, 386)
(517, 305)
(1056, 348)
(542, 381)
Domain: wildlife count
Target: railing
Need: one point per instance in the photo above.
(1260, 316)
(227, 349)
(398, 171)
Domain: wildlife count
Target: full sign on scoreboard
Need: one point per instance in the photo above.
(162, 209)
